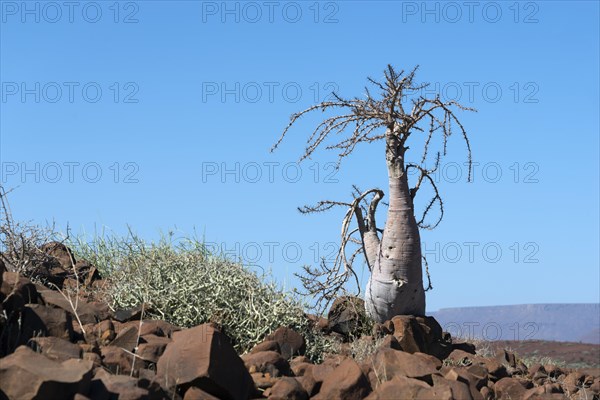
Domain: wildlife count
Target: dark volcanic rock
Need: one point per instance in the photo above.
(346, 315)
(26, 374)
(290, 342)
(204, 357)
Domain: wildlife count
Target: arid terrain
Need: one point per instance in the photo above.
(61, 340)
(573, 355)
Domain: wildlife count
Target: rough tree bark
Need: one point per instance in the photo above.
(393, 254)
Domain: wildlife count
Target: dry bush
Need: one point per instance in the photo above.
(20, 243)
(187, 285)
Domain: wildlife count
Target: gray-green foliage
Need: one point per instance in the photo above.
(187, 285)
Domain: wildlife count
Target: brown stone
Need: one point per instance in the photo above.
(456, 389)
(299, 360)
(462, 375)
(288, 389)
(149, 327)
(204, 357)
(421, 334)
(402, 387)
(17, 291)
(480, 373)
(309, 383)
(55, 348)
(267, 345)
(267, 361)
(120, 386)
(461, 357)
(290, 342)
(495, 369)
(127, 338)
(509, 388)
(486, 393)
(61, 253)
(506, 357)
(408, 333)
(429, 359)
(26, 374)
(346, 315)
(104, 330)
(263, 381)
(95, 358)
(117, 360)
(345, 382)
(300, 369)
(321, 371)
(48, 321)
(88, 313)
(153, 349)
(390, 342)
(388, 363)
(572, 381)
(130, 314)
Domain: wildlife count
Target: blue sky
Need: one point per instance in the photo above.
(160, 115)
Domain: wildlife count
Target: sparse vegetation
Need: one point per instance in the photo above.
(184, 284)
(179, 280)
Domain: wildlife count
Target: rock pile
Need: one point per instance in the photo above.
(53, 347)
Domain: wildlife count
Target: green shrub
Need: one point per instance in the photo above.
(187, 285)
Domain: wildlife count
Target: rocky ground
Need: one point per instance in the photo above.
(569, 354)
(56, 346)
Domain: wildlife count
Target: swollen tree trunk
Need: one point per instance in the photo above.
(396, 283)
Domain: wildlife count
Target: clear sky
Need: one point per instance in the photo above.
(160, 115)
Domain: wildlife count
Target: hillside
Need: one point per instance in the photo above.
(556, 322)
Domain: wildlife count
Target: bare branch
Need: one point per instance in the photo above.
(325, 282)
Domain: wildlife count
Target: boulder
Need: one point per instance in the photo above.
(55, 348)
(130, 314)
(88, 313)
(61, 253)
(347, 381)
(290, 342)
(263, 381)
(510, 388)
(153, 349)
(507, 357)
(452, 389)
(155, 327)
(288, 389)
(267, 362)
(117, 360)
(266, 345)
(35, 320)
(17, 291)
(462, 375)
(127, 338)
(123, 387)
(347, 315)
(421, 334)
(402, 387)
(204, 357)
(390, 342)
(320, 372)
(389, 363)
(26, 374)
